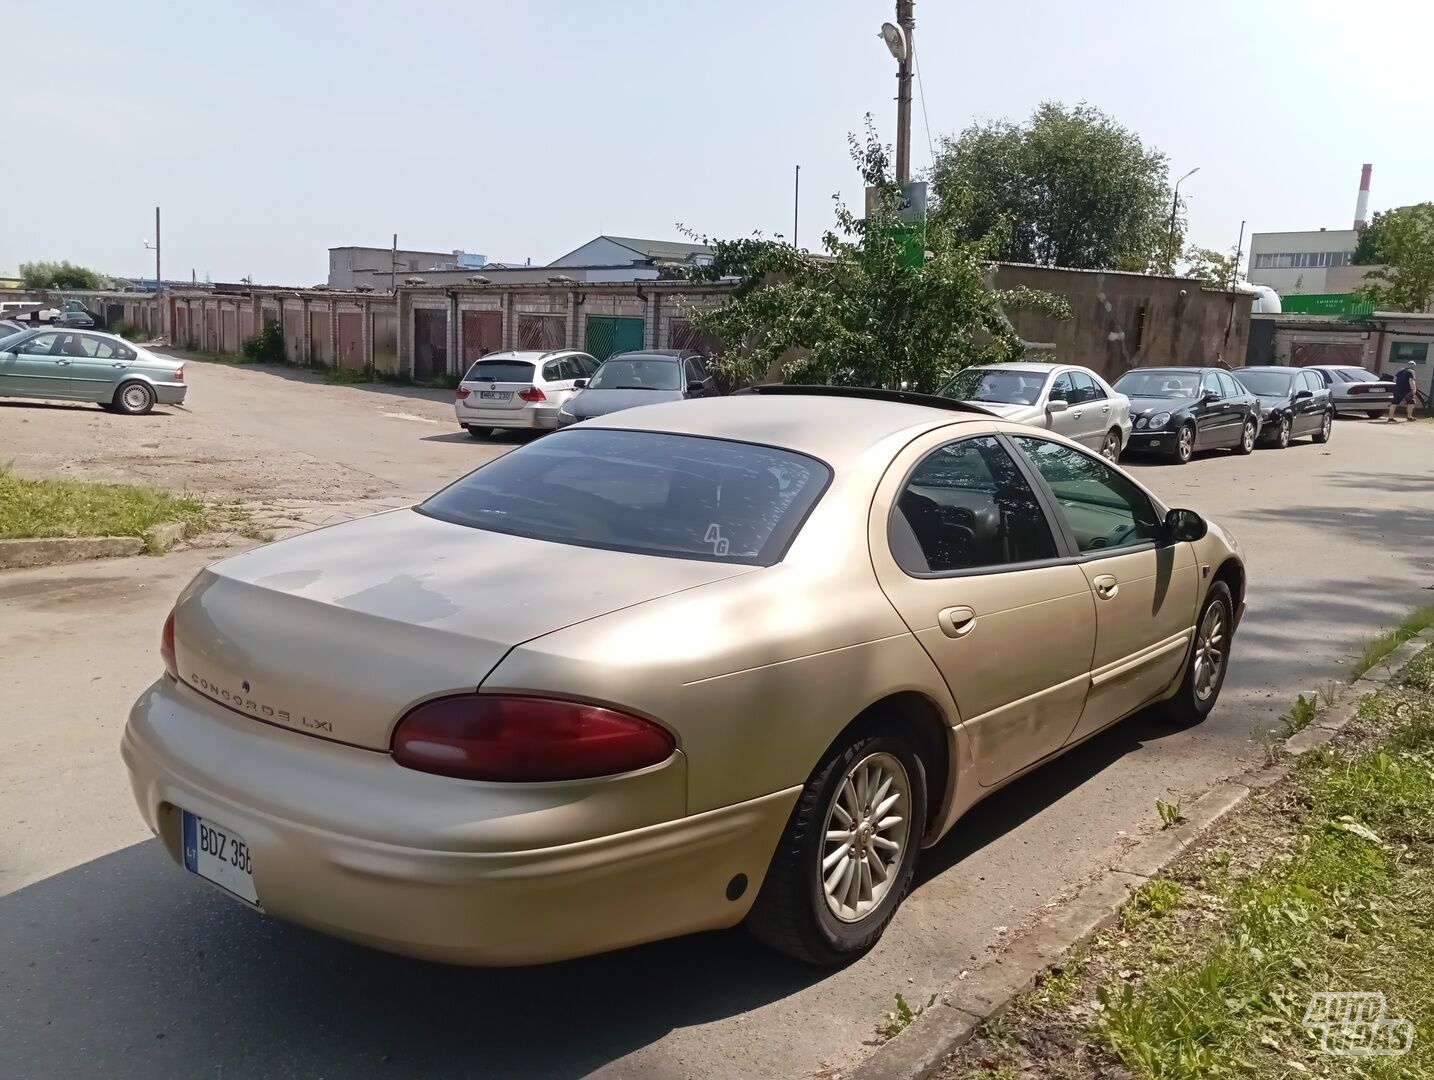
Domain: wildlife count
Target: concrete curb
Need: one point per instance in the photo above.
(919, 1051)
(46, 551)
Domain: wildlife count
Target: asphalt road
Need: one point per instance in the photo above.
(113, 962)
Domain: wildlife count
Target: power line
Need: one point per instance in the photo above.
(921, 88)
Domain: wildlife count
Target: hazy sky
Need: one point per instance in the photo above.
(270, 132)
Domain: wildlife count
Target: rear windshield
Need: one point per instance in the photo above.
(1159, 384)
(501, 371)
(637, 375)
(1356, 375)
(1000, 385)
(642, 491)
(1268, 383)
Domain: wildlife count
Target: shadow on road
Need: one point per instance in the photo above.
(308, 375)
(83, 407)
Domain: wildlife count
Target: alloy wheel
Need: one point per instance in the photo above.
(135, 397)
(1284, 436)
(1110, 449)
(868, 826)
(1185, 445)
(1209, 652)
(1247, 441)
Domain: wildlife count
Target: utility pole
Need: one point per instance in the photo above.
(906, 19)
(796, 194)
(1171, 253)
(157, 278)
(393, 268)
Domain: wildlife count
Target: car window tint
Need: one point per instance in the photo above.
(78, 345)
(694, 373)
(1268, 383)
(106, 349)
(40, 343)
(1159, 384)
(1085, 388)
(1228, 385)
(1311, 382)
(1062, 389)
(1322, 376)
(967, 506)
(1103, 508)
(553, 371)
(1359, 375)
(1211, 384)
(642, 491)
(501, 371)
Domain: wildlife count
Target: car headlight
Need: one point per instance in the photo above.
(1140, 422)
(1160, 419)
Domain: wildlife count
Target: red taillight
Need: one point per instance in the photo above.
(179, 375)
(166, 647)
(515, 739)
(461, 393)
(533, 393)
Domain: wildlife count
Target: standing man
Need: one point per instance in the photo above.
(1403, 393)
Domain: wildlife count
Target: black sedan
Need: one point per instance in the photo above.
(1293, 403)
(1177, 411)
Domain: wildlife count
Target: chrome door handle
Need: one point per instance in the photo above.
(956, 621)
(1105, 408)
(1106, 587)
(63, 363)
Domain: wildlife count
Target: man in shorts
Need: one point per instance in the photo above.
(1403, 393)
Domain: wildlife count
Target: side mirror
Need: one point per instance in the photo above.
(580, 384)
(1212, 395)
(1302, 394)
(1056, 406)
(1185, 525)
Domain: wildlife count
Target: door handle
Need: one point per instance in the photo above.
(1106, 587)
(1105, 408)
(63, 363)
(956, 621)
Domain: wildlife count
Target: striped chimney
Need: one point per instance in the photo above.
(1361, 208)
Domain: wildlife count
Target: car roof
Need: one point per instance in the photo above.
(529, 355)
(837, 429)
(651, 354)
(1268, 367)
(1022, 365)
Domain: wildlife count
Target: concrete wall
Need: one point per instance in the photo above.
(1131, 320)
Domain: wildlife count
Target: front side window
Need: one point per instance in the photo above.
(1104, 509)
(1063, 389)
(1211, 384)
(40, 344)
(967, 506)
(638, 375)
(642, 491)
(1228, 386)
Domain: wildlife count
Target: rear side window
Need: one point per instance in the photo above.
(967, 506)
(501, 371)
(1085, 388)
(642, 491)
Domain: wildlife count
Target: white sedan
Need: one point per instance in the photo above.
(1069, 400)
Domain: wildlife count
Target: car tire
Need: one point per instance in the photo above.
(1326, 428)
(1375, 414)
(1197, 695)
(133, 398)
(1110, 447)
(794, 912)
(478, 432)
(1184, 448)
(1282, 437)
(1248, 434)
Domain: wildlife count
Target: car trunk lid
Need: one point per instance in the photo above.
(497, 384)
(337, 633)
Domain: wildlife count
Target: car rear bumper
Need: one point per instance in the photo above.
(170, 393)
(529, 418)
(347, 842)
(1362, 402)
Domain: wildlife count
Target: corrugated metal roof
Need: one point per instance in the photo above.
(659, 249)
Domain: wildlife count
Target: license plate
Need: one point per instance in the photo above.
(218, 854)
(496, 395)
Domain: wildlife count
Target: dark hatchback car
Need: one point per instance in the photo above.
(1293, 404)
(1177, 411)
(630, 379)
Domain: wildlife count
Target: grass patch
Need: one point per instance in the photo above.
(1377, 648)
(1300, 713)
(49, 508)
(1323, 883)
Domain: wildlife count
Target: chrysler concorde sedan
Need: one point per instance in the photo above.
(86, 365)
(734, 660)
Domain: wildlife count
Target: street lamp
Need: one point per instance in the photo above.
(1175, 206)
(899, 42)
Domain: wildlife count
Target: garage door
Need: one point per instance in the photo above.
(608, 334)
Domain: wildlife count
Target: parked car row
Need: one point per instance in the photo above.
(540, 391)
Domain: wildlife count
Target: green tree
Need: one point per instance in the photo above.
(61, 275)
(1069, 187)
(884, 306)
(1216, 267)
(1368, 250)
(1405, 281)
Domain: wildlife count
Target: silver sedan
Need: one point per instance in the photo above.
(85, 365)
(1069, 400)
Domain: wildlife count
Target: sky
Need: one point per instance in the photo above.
(269, 132)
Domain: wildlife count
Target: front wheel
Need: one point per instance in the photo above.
(1209, 658)
(134, 398)
(1110, 447)
(1326, 429)
(1282, 437)
(1248, 434)
(848, 855)
(1184, 445)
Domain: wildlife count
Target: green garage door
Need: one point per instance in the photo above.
(608, 334)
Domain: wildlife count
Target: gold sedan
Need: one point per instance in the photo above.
(688, 666)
